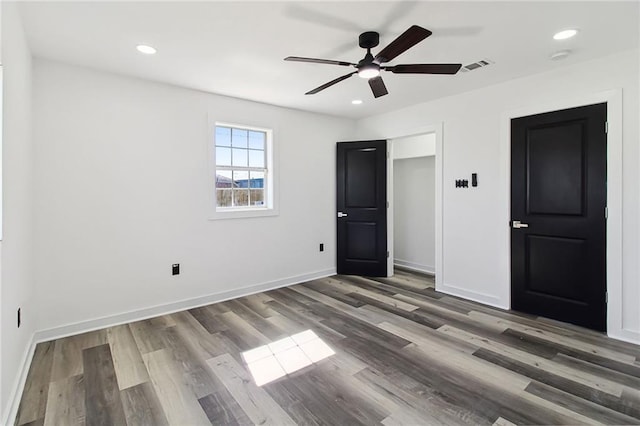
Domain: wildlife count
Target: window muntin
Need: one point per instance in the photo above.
(241, 168)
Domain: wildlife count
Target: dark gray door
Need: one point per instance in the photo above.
(362, 208)
(558, 200)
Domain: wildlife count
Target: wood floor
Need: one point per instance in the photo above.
(404, 354)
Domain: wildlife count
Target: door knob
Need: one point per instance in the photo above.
(517, 224)
(340, 214)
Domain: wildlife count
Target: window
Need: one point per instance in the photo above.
(243, 169)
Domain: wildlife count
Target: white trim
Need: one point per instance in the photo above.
(486, 299)
(169, 308)
(436, 128)
(21, 380)
(243, 213)
(426, 269)
(439, 267)
(613, 99)
(390, 211)
(1, 132)
(626, 336)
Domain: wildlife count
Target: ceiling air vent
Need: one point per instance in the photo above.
(476, 65)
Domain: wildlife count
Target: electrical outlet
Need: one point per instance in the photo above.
(321, 246)
(19, 317)
(175, 269)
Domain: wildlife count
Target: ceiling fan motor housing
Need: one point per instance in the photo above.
(369, 39)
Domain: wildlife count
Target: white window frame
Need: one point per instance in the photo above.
(1, 149)
(270, 205)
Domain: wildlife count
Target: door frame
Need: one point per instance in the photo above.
(437, 129)
(613, 99)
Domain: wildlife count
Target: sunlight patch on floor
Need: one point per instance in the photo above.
(285, 356)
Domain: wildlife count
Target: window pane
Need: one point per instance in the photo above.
(257, 197)
(223, 197)
(239, 138)
(241, 167)
(223, 179)
(256, 140)
(240, 179)
(240, 157)
(240, 197)
(256, 158)
(223, 156)
(257, 180)
(223, 136)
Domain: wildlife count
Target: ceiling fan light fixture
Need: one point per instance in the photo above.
(368, 71)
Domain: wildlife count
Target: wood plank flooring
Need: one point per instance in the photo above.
(404, 355)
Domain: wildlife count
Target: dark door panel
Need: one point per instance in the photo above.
(362, 208)
(554, 267)
(556, 170)
(558, 190)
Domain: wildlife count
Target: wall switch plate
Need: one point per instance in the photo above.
(19, 317)
(462, 183)
(321, 246)
(175, 269)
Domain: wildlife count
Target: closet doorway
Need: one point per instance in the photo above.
(413, 202)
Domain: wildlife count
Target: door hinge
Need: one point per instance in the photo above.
(606, 127)
(387, 204)
(606, 297)
(387, 255)
(606, 212)
(387, 154)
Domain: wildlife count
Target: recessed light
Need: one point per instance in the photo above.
(560, 55)
(563, 35)
(147, 50)
(356, 101)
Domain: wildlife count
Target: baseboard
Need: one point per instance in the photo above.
(625, 335)
(425, 269)
(485, 299)
(169, 308)
(18, 387)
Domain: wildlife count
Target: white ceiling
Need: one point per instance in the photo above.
(237, 48)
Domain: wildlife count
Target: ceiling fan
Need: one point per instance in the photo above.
(369, 67)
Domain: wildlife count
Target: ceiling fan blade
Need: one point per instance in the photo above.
(424, 69)
(329, 84)
(377, 87)
(318, 61)
(404, 42)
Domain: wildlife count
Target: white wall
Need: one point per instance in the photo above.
(414, 221)
(17, 168)
(122, 192)
(476, 256)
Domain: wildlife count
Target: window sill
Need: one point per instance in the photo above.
(243, 213)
